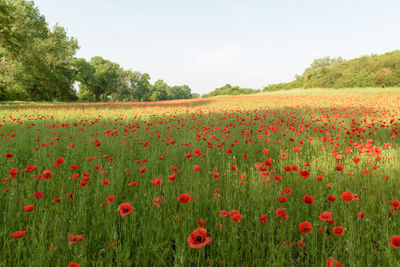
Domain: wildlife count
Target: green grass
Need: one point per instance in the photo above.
(157, 235)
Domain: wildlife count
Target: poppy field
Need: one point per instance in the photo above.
(260, 180)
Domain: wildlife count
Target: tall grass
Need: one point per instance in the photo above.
(157, 235)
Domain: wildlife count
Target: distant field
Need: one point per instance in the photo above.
(303, 177)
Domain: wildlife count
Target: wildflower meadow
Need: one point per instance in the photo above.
(259, 180)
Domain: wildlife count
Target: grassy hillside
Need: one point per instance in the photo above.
(366, 71)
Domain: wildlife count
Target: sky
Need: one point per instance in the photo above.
(209, 43)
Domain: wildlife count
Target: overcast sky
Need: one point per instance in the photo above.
(206, 44)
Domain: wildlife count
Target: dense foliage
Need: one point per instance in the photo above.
(366, 71)
(230, 90)
(38, 63)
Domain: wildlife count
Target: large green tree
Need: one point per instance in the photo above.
(36, 62)
(102, 80)
(179, 92)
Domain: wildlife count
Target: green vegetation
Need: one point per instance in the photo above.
(366, 71)
(246, 163)
(37, 63)
(231, 90)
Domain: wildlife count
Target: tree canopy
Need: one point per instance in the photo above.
(366, 71)
(228, 89)
(38, 63)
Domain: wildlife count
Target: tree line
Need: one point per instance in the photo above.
(365, 71)
(38, 63)
(230, 90)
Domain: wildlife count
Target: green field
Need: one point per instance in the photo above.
(243, 146)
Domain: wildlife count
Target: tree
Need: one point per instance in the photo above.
(179, 92)
(84, 74)
(36, 61)
(195, 95)
(100, 79)
(321, 64)
(142, 90)
(159, 91)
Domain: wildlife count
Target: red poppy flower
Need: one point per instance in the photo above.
(288, 168)
(304, 173)
(305, 227)
(39, 195)
(347, 196)
(332, 198)
(58, 162)
(198, 239)
(13, 173)
(283, 199)
(308, 199)
(133, 184)
(395, 204)
(105, 182)
(74, 238)
(110, 199)
(28, 208)
(338, 230)
(9, 156)
(339, 167)
(201, 222)
(70, 195)
(325, 216)
(172, 177)
(331, 262)
(125, 208)
(74, 264)
(236, 217)
(286, 191)
(263, 218)
(157, 201)
(30, 168)
(281, 213)
(57, 199)
(301, 244)
(73, 167)
(112, 244)
(184, 198)
(156, 181)
(196, 168)
(361, 214)
(223, 213)
(395, 241)
(18, 234)
(233, 212)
